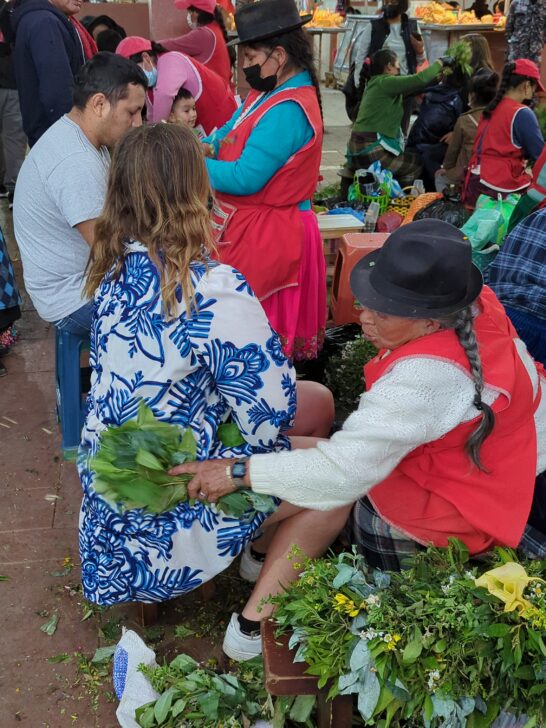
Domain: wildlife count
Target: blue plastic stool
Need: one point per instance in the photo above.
(68, 382)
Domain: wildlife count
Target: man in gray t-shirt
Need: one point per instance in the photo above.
(61, 187)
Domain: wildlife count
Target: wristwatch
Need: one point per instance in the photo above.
(238, 472)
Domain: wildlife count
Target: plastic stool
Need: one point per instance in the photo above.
(68, 382)
(353, 247)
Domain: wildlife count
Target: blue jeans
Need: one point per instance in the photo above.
(78, 322)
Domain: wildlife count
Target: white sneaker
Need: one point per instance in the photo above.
(249, 567)
(238, 646)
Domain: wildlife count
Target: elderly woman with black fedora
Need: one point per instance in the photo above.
(446, 442)
(264, 167)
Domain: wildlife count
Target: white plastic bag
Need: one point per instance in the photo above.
(130, 685)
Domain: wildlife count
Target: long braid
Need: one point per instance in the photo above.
(504, 85)
(462, 324)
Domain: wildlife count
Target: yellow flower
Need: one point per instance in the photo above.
(345, 605)
(507, 583)
(393, 641)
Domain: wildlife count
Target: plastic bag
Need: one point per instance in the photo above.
(130, 685)
(447, 208)
(384, 177)
(506, 207)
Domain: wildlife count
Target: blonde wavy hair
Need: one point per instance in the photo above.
(158, 192)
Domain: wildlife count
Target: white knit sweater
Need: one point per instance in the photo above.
(418, 401)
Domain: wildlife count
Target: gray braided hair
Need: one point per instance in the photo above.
(462, 324)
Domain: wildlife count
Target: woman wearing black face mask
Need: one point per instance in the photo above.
(264, 166)
(393, 30)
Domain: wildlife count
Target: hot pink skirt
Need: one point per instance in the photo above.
(298, 313)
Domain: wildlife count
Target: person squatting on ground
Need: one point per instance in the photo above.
(447, 440)
(167, 330)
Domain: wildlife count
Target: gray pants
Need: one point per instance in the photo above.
(14, 141)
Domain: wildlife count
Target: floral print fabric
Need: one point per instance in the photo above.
(196, 370)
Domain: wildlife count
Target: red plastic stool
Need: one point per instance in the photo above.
(353, 247)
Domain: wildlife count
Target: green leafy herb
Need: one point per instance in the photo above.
(50, 626)
(62, 657)
(4, 578)
(134, 458)
(432, 645)
(103, 654)
(461, 52)
(193, 695)
(181, 631)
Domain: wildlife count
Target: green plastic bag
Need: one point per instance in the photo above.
(487, 226)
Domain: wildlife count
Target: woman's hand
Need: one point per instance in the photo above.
(446, 139)
(211, 479)
(208, 150)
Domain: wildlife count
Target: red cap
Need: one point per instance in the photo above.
(133, 44)
(206, 5)
(525, 67)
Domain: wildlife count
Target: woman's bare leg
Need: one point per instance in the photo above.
(315, 410)
(311, 531)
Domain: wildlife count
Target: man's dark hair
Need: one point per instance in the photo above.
(108, 74)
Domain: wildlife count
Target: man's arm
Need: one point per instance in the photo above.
(87, 230)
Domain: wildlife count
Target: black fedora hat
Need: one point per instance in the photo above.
(265, 19)
(424, 270)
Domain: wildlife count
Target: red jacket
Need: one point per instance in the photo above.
(436, 492)
(500, 161)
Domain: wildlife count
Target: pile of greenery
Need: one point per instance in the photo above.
(193, 695)
(461, 52)
(344, 375)
(444, 643)
(133, 462)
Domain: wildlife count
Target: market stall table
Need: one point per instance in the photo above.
(333, 33)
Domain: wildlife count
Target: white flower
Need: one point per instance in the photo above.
(446, 588)
(452, 579)
(469, 575)
(373, 600)
(433, 677)
(370, 634)
(387, 637)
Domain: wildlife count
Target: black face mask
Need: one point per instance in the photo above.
(255, 81)
(391, 11)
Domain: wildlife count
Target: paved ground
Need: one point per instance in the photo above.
(39, 502)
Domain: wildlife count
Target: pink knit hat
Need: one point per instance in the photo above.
(133, 44)
(206, 5)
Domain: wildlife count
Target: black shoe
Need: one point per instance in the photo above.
(3, 191)
(10, 200)
(3, 370)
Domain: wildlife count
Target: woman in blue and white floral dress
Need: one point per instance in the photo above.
(194, 366)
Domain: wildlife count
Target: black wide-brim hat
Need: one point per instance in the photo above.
(266, 19)
(423, 270)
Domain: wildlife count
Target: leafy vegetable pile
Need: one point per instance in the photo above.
(461, 52)
(344, 375)
(134, 458)
(444, 643)
(192, 695)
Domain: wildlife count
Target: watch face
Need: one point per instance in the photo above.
(238, 470)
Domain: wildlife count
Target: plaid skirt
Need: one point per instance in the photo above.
(382, 546)
(363, 149)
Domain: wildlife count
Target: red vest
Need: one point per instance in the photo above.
(219, 61)
(264, 234)
(436, 492)
(501, 162)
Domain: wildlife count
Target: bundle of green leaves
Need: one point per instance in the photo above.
(133, 462)
(193, 695)
(344, 375)
(461, 52)
(443, 643)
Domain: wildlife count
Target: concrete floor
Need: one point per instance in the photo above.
(39, 503)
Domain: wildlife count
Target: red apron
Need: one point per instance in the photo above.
(436, 492)
(501, 163)
(219, 61)
(263, 234)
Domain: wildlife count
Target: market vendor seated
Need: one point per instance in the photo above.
(377, 133)
(446, 441)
